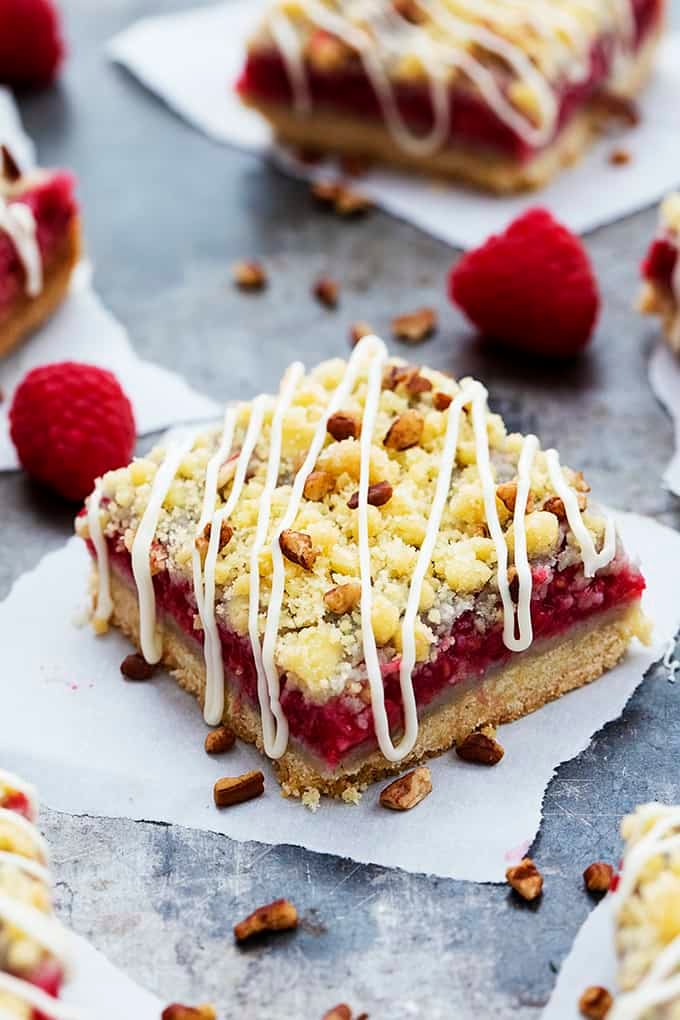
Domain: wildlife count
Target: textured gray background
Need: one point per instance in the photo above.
(166, 213)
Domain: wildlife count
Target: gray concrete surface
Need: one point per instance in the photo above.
(166, 213)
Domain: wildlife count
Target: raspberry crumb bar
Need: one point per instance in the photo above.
(647, 916)
(357, 573)
(661, 272)
(495, 93)
(33, 945)
(39, 247)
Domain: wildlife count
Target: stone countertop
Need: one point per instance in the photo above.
(166, 212)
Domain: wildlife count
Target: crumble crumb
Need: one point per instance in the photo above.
(311, 799)
(351, 795)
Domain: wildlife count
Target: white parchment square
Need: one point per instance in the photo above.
(95, 744)
(197, 81)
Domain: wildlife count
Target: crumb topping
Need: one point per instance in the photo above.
(319, 645)
(670, 213)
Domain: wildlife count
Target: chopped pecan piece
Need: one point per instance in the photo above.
(395, 376)
(620, 157)
(507, 493)
(318, 485)
(441, 401)
(177, 1012)
(297, 547)
(135, 667)
(249, 275)
(202, 541)
(339, 1012)
(413, 382)
(358, 331)
(343, 598)
(326, 291)
(407, 791)
(220, 740)
(525, 879)
(343, 425)
(579, 482)
(280, 915)
(554, 505)
(598, 877)
(481, 747)
(378, 494)
(11, 171)
(237, 789)
(405, 431)
(415, 326)
(595, 1003)
(349, 202)
(325, 192)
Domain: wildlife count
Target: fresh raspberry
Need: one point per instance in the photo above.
(31, 45)
(531, 288)
(660, 261)
(70, 423)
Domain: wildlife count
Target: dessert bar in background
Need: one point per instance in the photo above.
(357, 573)
(500, 95)
(661, 272)
(647, 916)
(39, 247)
(33, 945)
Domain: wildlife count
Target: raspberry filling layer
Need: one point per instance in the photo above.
(53, 205)
(660, 262)
(472, 121)
(340, 726)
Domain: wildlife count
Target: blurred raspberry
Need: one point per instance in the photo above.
(31, 44)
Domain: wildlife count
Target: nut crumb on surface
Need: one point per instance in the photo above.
(220, 740)
(281, 915)
(358, 331)
(598, 877)
(408, 790)
(326, 291)
(175, 1011)
(525, 879)
(238, 789)
(620, 157)
(595, 1002)
(249, 275)
(339, 1012)
(415, 326)
(311, 798)
(481, 747)
(135, 667)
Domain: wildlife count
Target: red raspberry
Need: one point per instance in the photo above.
(31, 46)
(70, 423)
(531, 288)
(660, 261)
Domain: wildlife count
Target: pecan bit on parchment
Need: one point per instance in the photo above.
(343, 425)
(220, 740)
(280, 915)
(339, 1012)
(405, 431)
(415, 326)
(481, 747)
(378, 494)
(595, 1002)
(350, 203)
(177, 1012)
(318, 485)
(297, 547)
(238, 789)
(620, 157)
(358, 331)
(326, 291)
(441, 401)
(10, 169)
(525, 879)
(325, 192)
(249, 275)
(598, 877)
(407, 791)
(343, 597)
(135, 667)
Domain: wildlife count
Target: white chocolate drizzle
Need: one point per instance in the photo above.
(27, 830)
(18, 222)
(661, 983)
(104, 605)
(369, 359)
(380, 36)
(37, 999)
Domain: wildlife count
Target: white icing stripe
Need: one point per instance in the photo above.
(30, 867)
(592, 560)
(150, 643)
(367, 346)
(42, 928)
(104, 606)
(13, 782)
(392, 37)
(38, 1000)
(27, 829)
(214, 666)
(274, 722)
(18, 222)
(526, 632)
